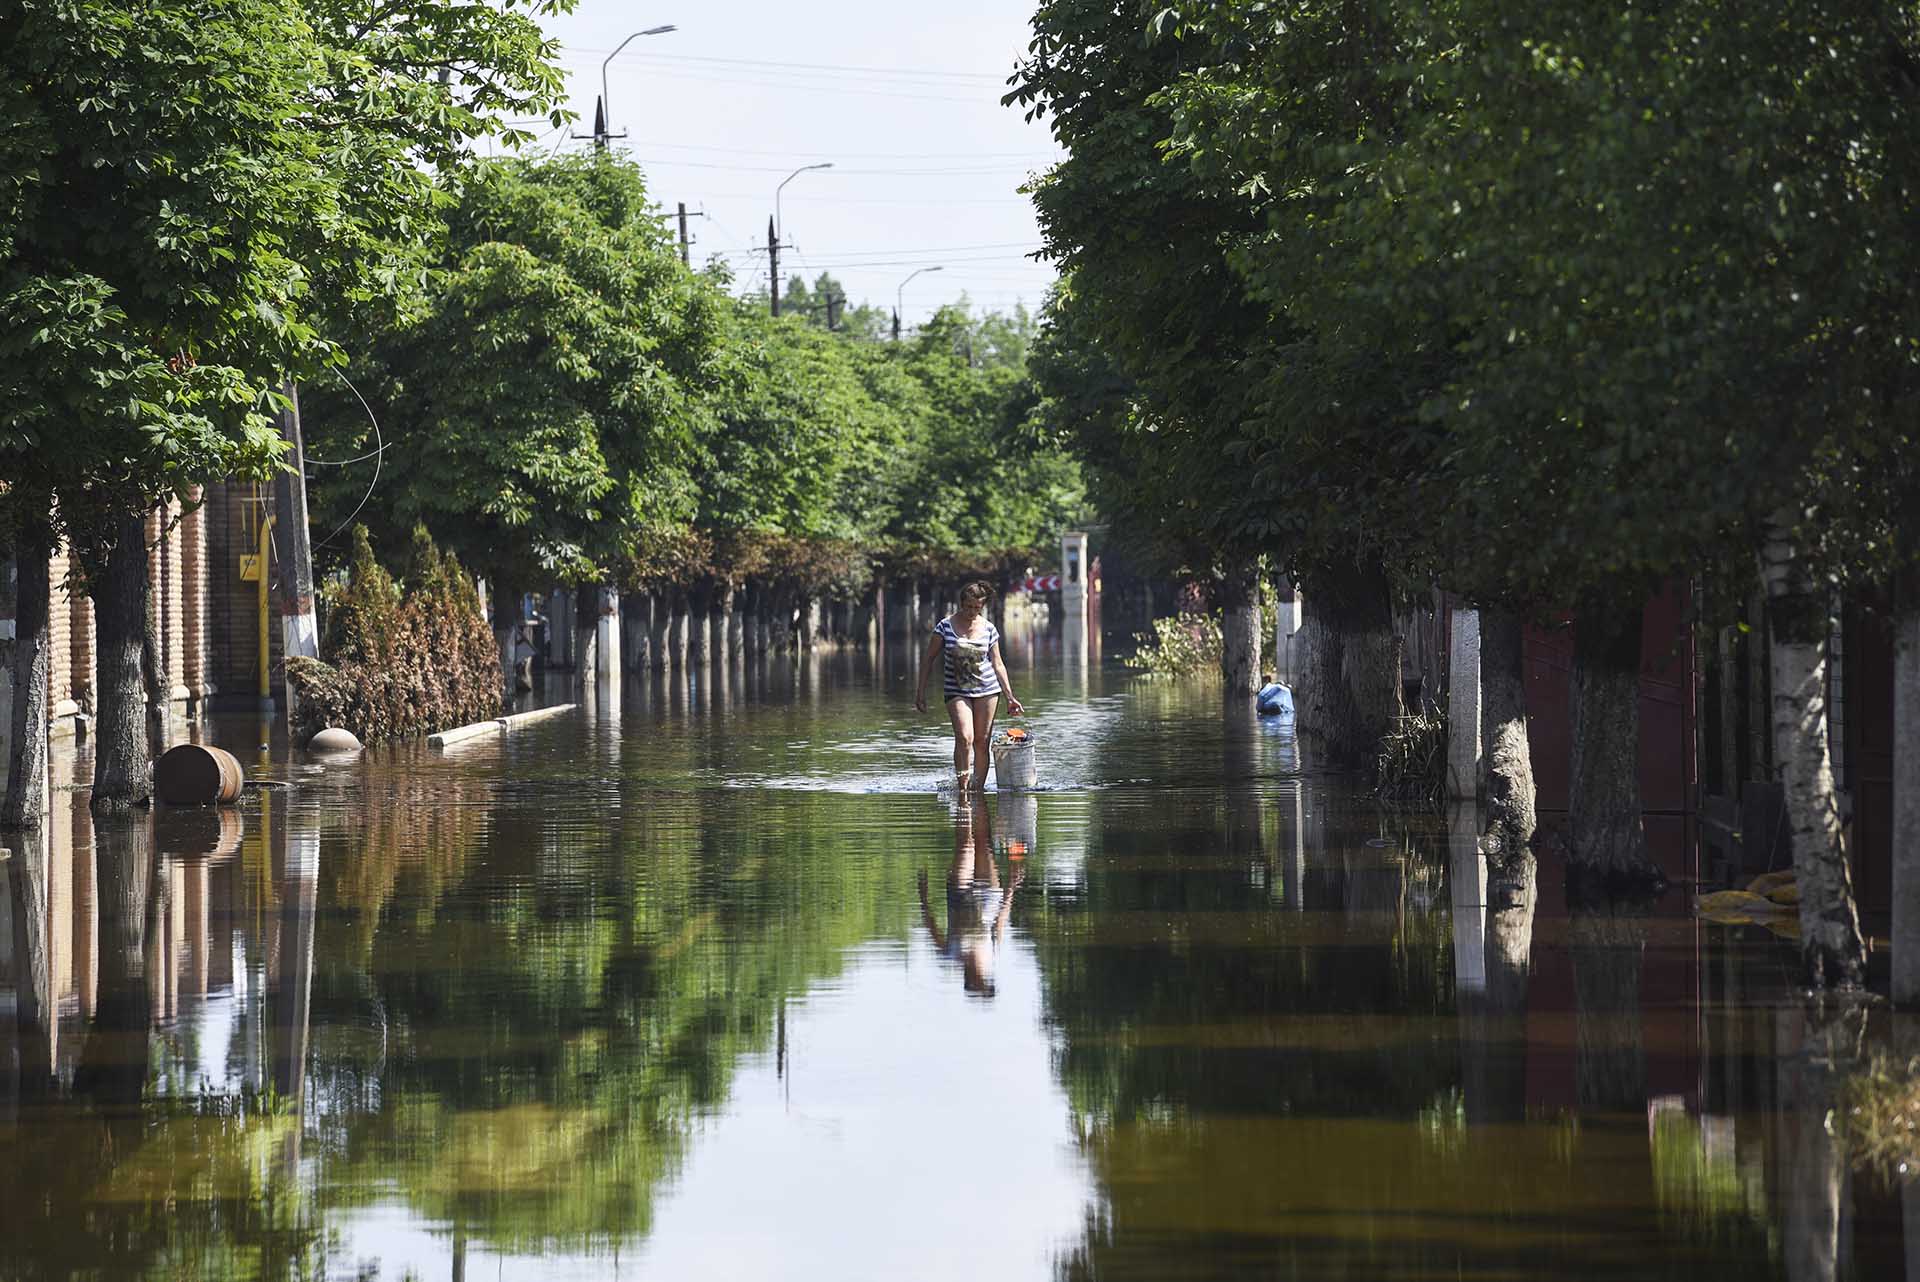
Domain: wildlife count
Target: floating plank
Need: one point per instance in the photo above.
(460, 734)
(520, 719)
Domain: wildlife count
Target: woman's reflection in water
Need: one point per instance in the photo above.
(977, 904)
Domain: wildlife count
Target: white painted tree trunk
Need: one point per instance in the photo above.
(1906, 795)
(1797, 616)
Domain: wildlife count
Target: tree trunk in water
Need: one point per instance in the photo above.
(1606, 839)
(113, 1062)
(1240, 630)
(677, 632)
(1507, 760)
(122, 771)
(587, 659)
(1349, 695)
(725, 631)
(699, 615)
(636, 630)
(810, 622)
(1906, 792)
(1831, 945)
(26, 872)
(1610, 1066)
(506, 632)
(26, 798)
(658, 642)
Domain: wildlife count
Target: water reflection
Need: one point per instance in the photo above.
(978, 906)
(665, 988)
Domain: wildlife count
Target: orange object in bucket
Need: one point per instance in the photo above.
(1013, 763)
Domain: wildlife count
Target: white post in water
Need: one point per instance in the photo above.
(1463, 707)
(1468, 880)
(1073, 577)
(1286, 626)
(606, 640)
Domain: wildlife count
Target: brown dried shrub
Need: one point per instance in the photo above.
(407, 658)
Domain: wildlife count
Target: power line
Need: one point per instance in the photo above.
(952, 170)
(944, 249)
(810, 87)
(653, 56)
(836, 154)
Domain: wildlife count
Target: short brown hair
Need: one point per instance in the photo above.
(979, 592)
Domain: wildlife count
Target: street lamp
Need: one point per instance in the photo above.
(900, 298)
(604, 124)
(780, 228)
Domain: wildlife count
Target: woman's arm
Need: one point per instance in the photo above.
(934, 646)
(1014, 706)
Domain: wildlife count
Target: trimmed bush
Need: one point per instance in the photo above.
(408, 658)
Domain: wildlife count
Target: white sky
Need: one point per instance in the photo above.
(902, 98)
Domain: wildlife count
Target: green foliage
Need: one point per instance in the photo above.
(406, 659)
(1552, 306)
(181, 184)
(1181, 645)
(540, 412)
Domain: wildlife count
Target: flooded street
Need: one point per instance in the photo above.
(712, 981)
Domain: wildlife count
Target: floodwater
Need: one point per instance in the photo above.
(710, 980)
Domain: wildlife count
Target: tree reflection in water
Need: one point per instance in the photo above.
(499, 997)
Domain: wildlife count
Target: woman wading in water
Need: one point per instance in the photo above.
(973, 677)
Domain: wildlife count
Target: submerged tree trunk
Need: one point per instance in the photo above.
(122, 771)
(26, 872)
(1831, 945)
(780, 621)
(1608, 949)
(26, 798)
(810, 624)
(1240, 629)
(1606, 838)
(636, 628)
(658, 642)
(113, 1061)
(726, 630)
(1349, 695)
(1906, 792)
(1507, 761)
(677, 632)
(699, 620)
(506, 633)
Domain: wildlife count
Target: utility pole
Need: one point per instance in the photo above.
(684, 258)
(299, 632)
(773, 264)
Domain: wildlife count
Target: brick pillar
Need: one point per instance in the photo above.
(193, 600)
(59, 642)
(173, 621)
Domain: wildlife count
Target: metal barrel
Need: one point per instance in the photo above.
(194, 774)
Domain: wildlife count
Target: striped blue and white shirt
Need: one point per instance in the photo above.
(969, 670)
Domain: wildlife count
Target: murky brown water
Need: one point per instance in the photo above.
(656, 992)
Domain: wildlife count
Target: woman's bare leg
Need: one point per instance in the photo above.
(983, 710)
(963, 720)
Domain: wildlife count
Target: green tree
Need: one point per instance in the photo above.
(541, 412)
(184, 186)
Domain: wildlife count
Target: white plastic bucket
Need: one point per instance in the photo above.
(1013, 763)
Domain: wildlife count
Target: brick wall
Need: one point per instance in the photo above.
(231, 522)
(193, 600)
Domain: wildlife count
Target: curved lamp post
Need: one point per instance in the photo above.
(900, 299)
(606, 102)
(779, 227)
